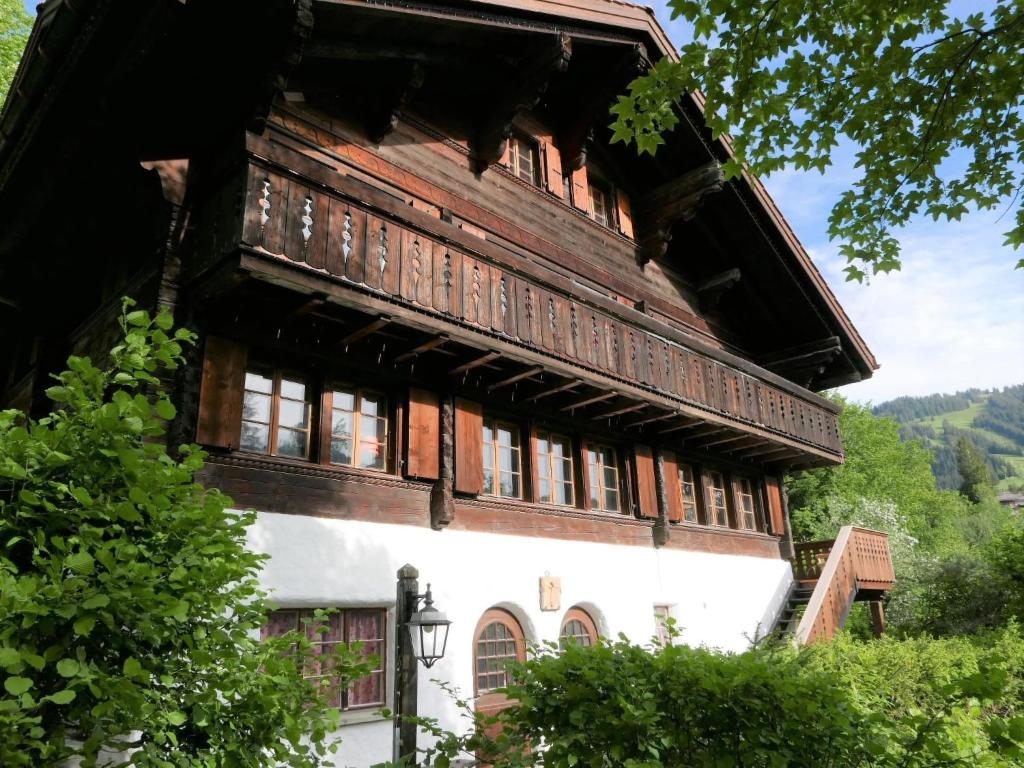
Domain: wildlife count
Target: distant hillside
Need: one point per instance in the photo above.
(992, 419)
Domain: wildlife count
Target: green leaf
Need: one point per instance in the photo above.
(132, 667)
(165, 410)
(17, 685)
(177, 718)
(84, 625)
(81, 562)
(67, 667)
(62, 697)
(96, 601)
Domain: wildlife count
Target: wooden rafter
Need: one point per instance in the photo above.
(711, 290)
(598, 398)
(433, 343)
(675, 201)
(476, 362)
(651, 419)
(532, 371)
(621, 410)
(719, 440)
(367, 330)
(519, 92)
(564, 387)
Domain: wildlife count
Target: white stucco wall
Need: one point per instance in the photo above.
(718, 600)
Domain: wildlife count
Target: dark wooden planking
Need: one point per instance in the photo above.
(646, 484)
(673, 490)
(469, 462)
(221, 392)
(424, 440)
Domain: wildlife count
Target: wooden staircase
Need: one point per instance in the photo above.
(830, 576)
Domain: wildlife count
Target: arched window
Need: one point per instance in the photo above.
(499, 640)
(578, 627)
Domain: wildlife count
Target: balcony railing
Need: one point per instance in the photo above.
(857, 565)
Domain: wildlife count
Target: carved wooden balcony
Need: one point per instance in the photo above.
(293, 221)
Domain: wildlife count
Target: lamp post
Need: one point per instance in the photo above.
(420, 634)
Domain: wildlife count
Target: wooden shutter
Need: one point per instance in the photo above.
(552, 160)
(469, 446)
(646, 485)
(581, 190)
(423, 445)
(625, 215)
(673, 491)
(776, 514)
(221, 393)
(506, 153)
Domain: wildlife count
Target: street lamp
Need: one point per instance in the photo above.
(428, 631)
(425, 640)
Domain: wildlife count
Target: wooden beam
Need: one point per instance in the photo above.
(390, 95)
(651, 420)
(711, 290)
(709, 430)
(674, 201)
(620, 411)
(766, 451)
(749, 441)
(426, 346)
(515, 377)
(308, 304)
(819, 350)
(475, 363)
(719, 441)
(590, 400)
(366, 330)
(554, 390)
(691, 424)
(519, 91)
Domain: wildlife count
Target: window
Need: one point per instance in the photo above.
(746, 504)
(359, 429)
(662, 615)
(499, 640)
(502, 465)
(603, 478)
(276, 414)
(689, 491)
(578, 627)
(554, 470)
(364, 625)
(522, 158)
(600, 204)
(718, 513)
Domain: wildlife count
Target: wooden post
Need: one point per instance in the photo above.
(405, 665)
(661, 527)
(786, 548)
(878, 617)
(442, 501)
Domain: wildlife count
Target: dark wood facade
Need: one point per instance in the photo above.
(420, 202)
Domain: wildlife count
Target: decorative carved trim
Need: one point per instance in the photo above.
(308, 469)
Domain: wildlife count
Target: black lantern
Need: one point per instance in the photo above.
(428, 629)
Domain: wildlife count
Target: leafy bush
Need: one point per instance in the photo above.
(129, 605)
(912, 704)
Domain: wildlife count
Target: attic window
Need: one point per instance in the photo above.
(522, 158)
(600, 204)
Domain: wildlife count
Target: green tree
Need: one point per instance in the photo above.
(130, 611)
(908, 84)
(15, 25)
(975, 477)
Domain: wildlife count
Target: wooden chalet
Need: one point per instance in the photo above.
(440, 315)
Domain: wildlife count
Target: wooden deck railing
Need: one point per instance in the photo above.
(859, 559)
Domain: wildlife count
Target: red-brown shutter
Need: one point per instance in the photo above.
(424, 442)
(581, 190)
(776, 515)
(673, 491)
(646, 485)
(469, 446)
(625, 215)
(552, 167)
(221, 393)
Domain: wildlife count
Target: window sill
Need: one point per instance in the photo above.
(519, 505)
(362, 716)
(721, 529)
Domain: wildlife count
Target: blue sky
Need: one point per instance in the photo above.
(952, 319)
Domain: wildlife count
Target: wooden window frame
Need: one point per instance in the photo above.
(583, 617)
(551, 436)
(327, 421)
(489, 696)
(607, 193)
(596, 445)
(709, 506)
(276, 375)
(381, 670)
(493, 421)
(662, 613)
(741, 513)
(515, 160)
(685, 467)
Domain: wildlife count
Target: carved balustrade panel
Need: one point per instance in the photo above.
(325, 232)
